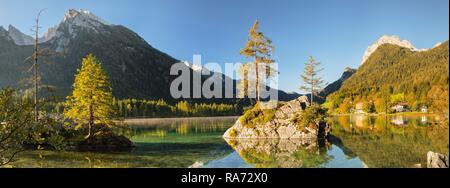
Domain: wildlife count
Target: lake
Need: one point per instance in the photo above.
(357, 142)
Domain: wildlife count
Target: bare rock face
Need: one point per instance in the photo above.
(291, 107)
(281, 126)
(386, 39)
(18, 37)
(436, 160)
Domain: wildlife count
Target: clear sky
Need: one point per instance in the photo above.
(335, 32)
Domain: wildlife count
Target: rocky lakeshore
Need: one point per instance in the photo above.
(281, 125)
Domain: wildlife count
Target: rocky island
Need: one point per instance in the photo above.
(295, 119)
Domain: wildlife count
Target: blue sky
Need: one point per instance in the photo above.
(335, 32)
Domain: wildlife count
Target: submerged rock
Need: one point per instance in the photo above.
(281, 125)
(436, 160)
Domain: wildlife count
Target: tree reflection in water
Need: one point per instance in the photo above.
(400, 141)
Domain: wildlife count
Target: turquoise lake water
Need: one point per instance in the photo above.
(356, 142)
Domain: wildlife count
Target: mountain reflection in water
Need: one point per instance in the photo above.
(356, 142)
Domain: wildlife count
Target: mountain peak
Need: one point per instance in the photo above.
(349, 69)
(49, 34)
(83, 18)
(18, 37)
(73, 22)
(388, 39)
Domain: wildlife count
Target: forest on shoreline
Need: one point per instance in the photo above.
(141, 108)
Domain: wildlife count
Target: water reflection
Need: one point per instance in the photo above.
(179, 127)
(356, 141)
(399, 121)
(282, 153)
(391, 141)
(167, 143)
(423, 120)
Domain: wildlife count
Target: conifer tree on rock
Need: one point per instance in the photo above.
(90, 105)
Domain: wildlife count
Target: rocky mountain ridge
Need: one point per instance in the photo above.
(391, 39)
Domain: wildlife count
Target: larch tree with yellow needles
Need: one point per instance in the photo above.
(259, 49)
(90, 105)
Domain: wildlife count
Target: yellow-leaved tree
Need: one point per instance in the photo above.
(90, 105)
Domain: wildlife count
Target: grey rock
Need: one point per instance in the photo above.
(289, 109)
(281, 126)
(18, 37)
(436, 160)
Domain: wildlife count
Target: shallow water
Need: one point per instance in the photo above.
(357, 141)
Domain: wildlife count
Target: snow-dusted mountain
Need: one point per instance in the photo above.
(73, 20)
(136, 69)
(83, 18)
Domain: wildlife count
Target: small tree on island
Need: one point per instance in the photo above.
(259, 48)
(91, 101)
(312, 82)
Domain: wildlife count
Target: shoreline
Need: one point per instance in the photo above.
(383, 114)
(137, 121)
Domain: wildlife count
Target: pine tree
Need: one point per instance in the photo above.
(91, 101)
(313, 82)
(259, 47)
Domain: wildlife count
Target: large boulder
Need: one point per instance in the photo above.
(281, 126)
(436, 160)
(107, 141)
(291, 107)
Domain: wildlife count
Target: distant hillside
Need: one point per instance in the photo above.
(336, 85)
(419, 78)
(320, 97)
